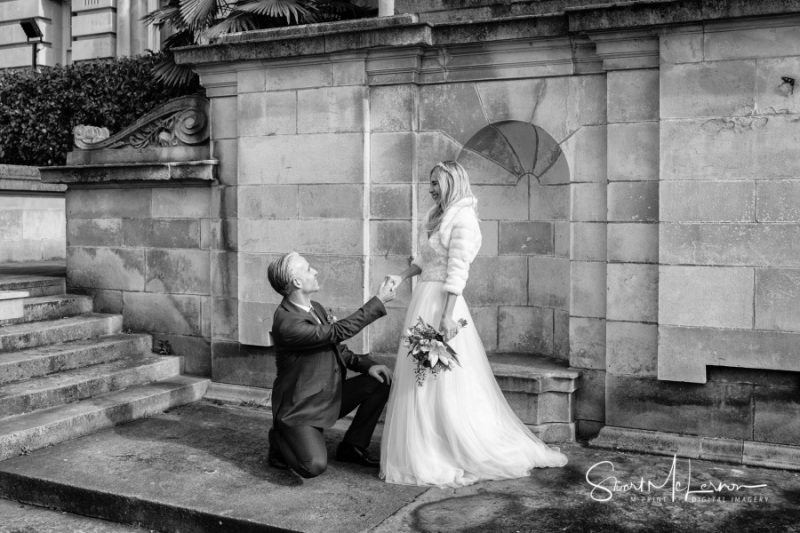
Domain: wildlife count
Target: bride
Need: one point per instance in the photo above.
(456, 428)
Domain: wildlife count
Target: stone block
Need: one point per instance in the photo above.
(108, 203)
(297, 76)
(561, 334)
(633, 201)
(225, 319)
(588, 241)
(433, 147)
(11, 224)
(273, 113)
(331, 201)
(331, 109)
(631, 348)
(223, 114)
(706, 296)
(349, 72)
(104, 301)
(23, 250)
(269, 201)
(548, 282)
(161, 233)
(778, 201)
(305, 236)
(561, 238)
(251, 81)
(590, 398)
(483, 170)
(766, 42)
(196, 352)
(105, 268)
(525, 329)
(392, 108)
(633, 151)
(384, 334)
(714, 409)
(549, 202)
(379, 268)
(255, 323)
(770, 455)
(586, 153)
(390, 237)
(182, 203)
(178, 314)
(587, 343)
(680, 47)
(777, 297)
(178, 271)
(252, 272)
(453, 109)
(341, 280)
(632, 292)
(40, 224)
(633, 95)
(771, 95)
(53, 249)
(240, 364)
(390, 201)
(586, 430)
(588, 289)
(777, 415)
(502, 202)
(708, 89)
(282, 159)
(587, 102)
(391, 157)
(484, 320)
(774, 245)
(224, 274)
(490, 234)
(526, 238)
(498, 281)
(588, 202)
(708, 201)
(226, 151)
(94, 232)
(94, 48)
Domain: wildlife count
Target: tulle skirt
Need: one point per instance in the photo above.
(457, 428)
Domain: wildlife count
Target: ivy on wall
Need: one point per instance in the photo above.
(38, 110)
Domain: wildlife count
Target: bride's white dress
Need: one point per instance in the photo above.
(457, 428)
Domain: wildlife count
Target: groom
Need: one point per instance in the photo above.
(310, 392)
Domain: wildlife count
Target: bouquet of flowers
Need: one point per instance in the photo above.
(429, 350)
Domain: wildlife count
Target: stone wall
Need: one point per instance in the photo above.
(32, 221)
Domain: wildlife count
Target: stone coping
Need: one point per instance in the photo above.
(186, 171)
(25, 179)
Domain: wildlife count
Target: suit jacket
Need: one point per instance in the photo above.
(312, 362)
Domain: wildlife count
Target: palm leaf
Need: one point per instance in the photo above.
(170, 14)
(236, 22)
(172, 74)
(287, 9)
(198, 13)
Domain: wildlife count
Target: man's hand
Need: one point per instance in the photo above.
(386, 292)
(380, 372)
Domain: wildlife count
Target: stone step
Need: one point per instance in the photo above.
(34, 285)
(28, 335)
(23, 433)
(11, 305)
(73, 385)
(51, 358)
(50, 307)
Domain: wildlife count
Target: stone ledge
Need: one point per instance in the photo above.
(20, 178)
(238, 394)
(696, 447)
(189, 171)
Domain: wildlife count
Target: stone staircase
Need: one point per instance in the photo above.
(66, 371)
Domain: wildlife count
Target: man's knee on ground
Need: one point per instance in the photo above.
(313, 467)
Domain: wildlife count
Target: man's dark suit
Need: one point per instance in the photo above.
(310, 390)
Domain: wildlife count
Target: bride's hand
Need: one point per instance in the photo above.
(448, 327)
(394, 280)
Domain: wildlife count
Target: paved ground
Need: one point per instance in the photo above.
(206, 461)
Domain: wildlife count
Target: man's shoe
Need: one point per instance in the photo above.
(350, 453)
(274, 457)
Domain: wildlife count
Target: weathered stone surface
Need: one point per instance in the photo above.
(777, 297)
(588, 241)
(298, 159)
(433, 147)
(177, 314)
(105, 301)
(587, 343)
(53, 249)
(769, 455)
(526, 238)
(224, 274)
(590, 398)
(390, 201)
(269, 201)
(224, 319)
(525, 329)
(548, 282)
(633, 201)
(588, 202)
(454, 109)
(778, 201)
(341, 280)
(633, 95)
(282, 236)
(631, 348)
(331, 201)
(586, 153)
(561, 238)
(771, 94)
(633, 151)
(498, 281)
(240, 364)
(384, 334)
(706, 296)
(252, 272)
(503, 202)
(273, 113)
(774, 245)
(161, 233)
(379, 268)
(109, 203)
(222, 110)
(549, 202)
(632, 292)
(178, 271)
(708, 89)
(390, 237)
(105, 268)
(11, 224)
(490, 235)
(751, 43)
(561, 334)
(588, 289)
(483, 170)
(43, 224)
(777, 415)
(587, 101)
(715, 201)
(196, 352)
(299, 76)
(331, 109)
(392, 108)
(93, 232)
(182, 203)
(255, 323)
(714, 409)
(484, 320)
(680, 47)
(391, 157)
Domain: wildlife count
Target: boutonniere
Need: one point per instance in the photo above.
(331, 317)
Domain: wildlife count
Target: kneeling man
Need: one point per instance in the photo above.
(310, 392)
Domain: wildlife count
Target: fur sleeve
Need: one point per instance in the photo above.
(464, 241)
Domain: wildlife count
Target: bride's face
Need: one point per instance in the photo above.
(435, 189)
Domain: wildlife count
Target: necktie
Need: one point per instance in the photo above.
(314, 314)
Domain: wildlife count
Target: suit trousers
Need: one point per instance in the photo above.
(303, 447)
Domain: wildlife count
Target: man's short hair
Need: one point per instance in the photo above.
(280, 276)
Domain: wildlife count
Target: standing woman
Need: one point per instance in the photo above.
(456, 428)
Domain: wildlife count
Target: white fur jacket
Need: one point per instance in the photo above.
(460, 234)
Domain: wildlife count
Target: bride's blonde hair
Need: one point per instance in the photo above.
(454, 184)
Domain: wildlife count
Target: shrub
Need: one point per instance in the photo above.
(38, 110)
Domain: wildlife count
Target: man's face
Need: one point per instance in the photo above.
(305, 277)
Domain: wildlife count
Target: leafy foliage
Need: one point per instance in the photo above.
(202, 21)
(38, 110)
